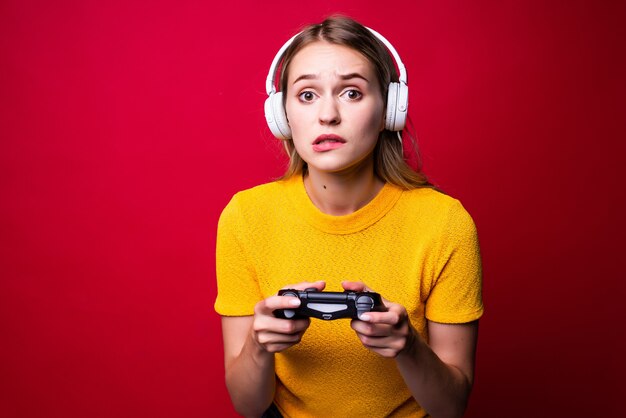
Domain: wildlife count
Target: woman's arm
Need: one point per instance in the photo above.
(439, 374)
(249, 369)
(250, 343)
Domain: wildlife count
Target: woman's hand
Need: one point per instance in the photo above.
(275, 334)
(386, 333)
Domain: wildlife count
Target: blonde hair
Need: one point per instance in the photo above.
(389, 162)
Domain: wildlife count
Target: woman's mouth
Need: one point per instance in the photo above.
(327, 142)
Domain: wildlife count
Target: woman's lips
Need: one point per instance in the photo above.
(327, 142)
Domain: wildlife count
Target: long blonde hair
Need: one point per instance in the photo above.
(389, 162)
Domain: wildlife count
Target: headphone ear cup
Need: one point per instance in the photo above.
(276, 117)
(397, 106)
(392, 93)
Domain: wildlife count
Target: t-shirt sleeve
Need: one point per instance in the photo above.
(456, 296)
(237, 287)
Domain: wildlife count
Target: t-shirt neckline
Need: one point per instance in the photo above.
(357, 221)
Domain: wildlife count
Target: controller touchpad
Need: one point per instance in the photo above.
(324, 307)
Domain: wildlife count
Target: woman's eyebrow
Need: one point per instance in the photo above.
(305, 77)
(353, 75)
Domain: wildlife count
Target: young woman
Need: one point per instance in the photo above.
(348, 214)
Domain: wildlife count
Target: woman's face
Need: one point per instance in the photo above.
(334, 107)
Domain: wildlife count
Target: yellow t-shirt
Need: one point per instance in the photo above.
(418, 248)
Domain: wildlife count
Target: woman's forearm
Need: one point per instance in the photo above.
(250, 379)
(441, 389)
(249, 346)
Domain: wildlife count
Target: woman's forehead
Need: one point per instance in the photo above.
(325, 57)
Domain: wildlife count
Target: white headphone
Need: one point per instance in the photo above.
(397, 96)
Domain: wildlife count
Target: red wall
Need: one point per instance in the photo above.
(125, 127)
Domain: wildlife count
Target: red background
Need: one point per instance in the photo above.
(126, 126)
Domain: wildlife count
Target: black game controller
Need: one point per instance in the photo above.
(330, 305)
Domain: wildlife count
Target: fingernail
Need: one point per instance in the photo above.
(364, 317)
(294, 302)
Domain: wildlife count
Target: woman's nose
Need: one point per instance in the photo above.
(329, 112)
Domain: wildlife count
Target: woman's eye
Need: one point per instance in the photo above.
(307, 96)
(353, 94)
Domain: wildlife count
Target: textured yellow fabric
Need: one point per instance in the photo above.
(418, 248)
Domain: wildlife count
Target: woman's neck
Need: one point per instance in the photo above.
(342, 193)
